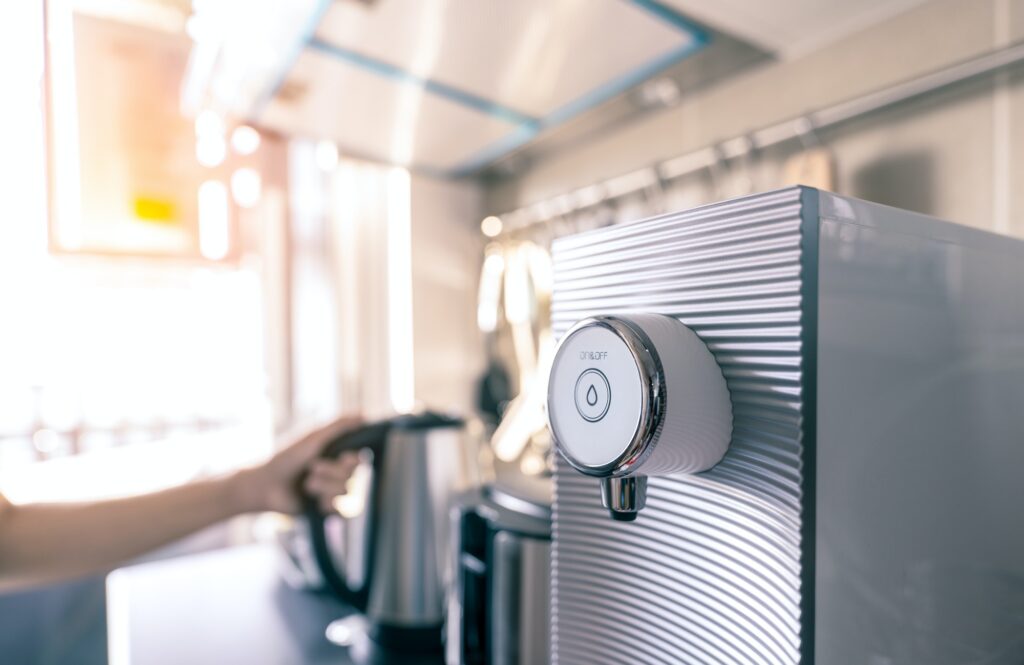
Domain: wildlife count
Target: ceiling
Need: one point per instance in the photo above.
(448, 86)
(457, 87)
(789, 28)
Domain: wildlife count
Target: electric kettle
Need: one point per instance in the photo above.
(419, 464)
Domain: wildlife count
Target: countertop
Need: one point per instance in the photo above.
(227, 606)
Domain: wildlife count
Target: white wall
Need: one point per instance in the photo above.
(446, 257)
(345, 332)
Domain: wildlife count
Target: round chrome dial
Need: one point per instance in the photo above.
(606, 396)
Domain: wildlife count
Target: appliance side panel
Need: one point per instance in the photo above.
(920, 455)
(710, 572)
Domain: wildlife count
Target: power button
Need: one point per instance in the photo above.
(593, 395)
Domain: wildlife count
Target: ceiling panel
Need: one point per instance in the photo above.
(531, 56)
(380, 117)
(723, 57)
(791, 27)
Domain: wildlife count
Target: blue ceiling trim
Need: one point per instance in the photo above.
(672, 17)
(526, 126)
(615, 87)
(491, 153)
(308, 31)
(698, 40)
(451, 93)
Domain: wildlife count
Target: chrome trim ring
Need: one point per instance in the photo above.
(652, 396)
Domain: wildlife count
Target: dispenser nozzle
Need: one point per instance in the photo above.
(623, 496)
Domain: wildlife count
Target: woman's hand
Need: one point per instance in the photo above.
(34, 538)
(275, 484)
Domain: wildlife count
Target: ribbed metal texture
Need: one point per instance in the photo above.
(710, 571)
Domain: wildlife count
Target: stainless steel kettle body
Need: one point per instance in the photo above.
(420, 463)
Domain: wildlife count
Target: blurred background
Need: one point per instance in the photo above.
(226, 219)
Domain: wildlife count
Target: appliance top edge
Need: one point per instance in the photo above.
(830, 206)
(897, 220)
(791, 194)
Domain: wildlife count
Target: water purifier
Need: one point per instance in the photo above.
(791, 429)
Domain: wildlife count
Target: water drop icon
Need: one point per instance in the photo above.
(592, 395)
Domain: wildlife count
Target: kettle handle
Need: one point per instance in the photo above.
(370, 437)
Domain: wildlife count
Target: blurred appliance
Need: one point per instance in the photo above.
(499, 600)
(514, 311)
(420, 463)
(866, 507)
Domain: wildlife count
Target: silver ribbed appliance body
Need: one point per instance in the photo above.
(808, 542)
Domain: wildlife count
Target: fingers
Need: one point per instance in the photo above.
(340, 425)
(328, 479)
(334, 429)
(335, 470)
(309, 445)
(326, 504)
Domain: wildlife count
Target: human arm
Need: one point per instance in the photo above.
(47, 542)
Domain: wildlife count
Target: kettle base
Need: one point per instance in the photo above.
(374, 643)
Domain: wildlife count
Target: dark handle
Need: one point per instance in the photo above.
(472, 584)
(370, 437)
